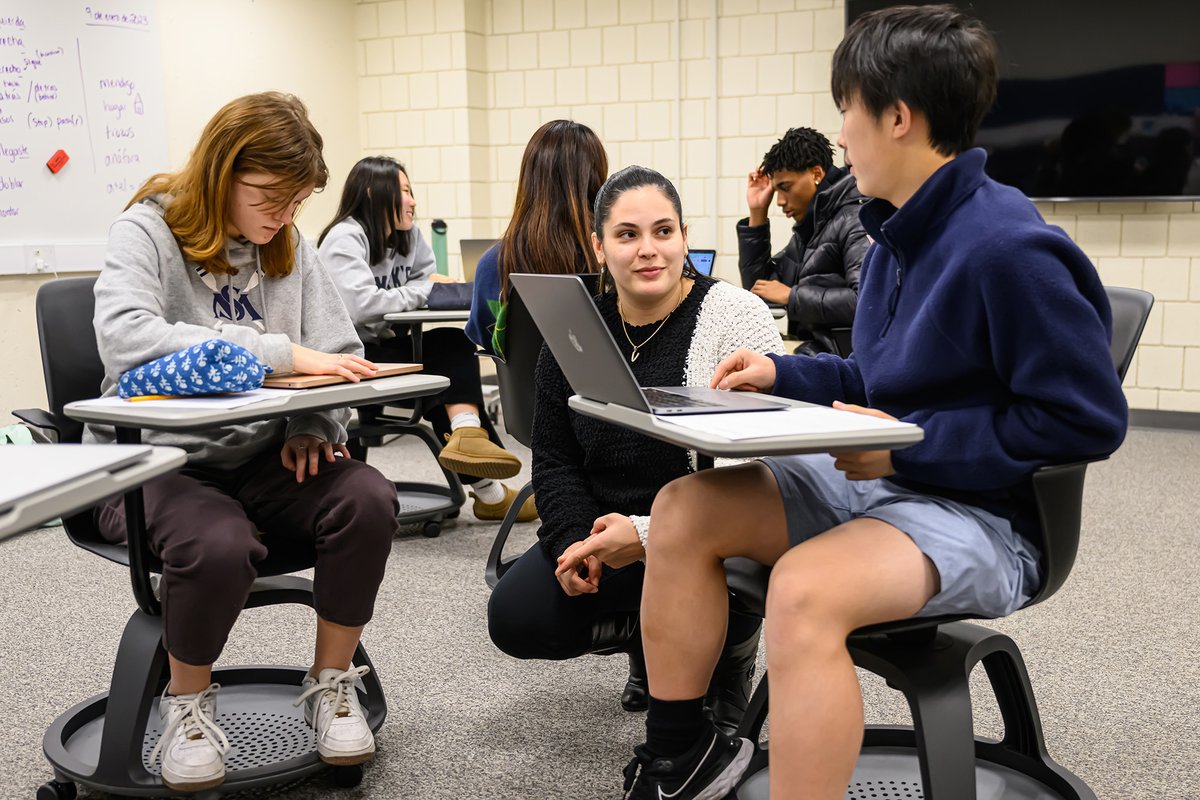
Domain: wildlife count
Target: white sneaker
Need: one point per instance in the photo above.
(193, 747)
(332, 709)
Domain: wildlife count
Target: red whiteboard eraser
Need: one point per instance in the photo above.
(57, 161)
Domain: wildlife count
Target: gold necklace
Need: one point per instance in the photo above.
(625, 329)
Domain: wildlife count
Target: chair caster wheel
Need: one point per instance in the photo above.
(345, 777)
(432, 530)
(56, 790)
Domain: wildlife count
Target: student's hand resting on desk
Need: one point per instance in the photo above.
(314, 362)
(303, 454)
(772, 291)
(745, 370)
(864, 465)
(437, 277)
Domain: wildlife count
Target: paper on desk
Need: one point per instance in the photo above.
(207, 402)
(791, 422)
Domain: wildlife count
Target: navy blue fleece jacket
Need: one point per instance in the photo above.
(985, 326)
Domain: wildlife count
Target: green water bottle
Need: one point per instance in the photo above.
(439, 245)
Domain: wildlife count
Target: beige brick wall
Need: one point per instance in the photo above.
(1153, 246)
(457, 95)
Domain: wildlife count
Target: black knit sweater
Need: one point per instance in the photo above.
(584, 468)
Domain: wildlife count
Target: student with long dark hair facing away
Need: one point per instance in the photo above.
(977, 321)
(550, 231)
(211, 252)
(381, 263)
(595, 481)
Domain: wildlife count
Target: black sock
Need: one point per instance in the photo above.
(673, 726)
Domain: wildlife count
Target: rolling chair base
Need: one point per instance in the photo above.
(932, 671)
(893, 773)
(427, 503)
(271, 742)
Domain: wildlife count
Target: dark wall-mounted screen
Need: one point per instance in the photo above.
(1097, 99)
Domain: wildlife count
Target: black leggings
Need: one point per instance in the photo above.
(530, 616)
(449, 353)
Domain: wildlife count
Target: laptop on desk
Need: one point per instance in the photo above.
(572, 326)
(473, 250)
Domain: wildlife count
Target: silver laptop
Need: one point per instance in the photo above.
(472, 250)
(572, 326)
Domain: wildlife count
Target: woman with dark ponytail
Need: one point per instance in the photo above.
(595, 482)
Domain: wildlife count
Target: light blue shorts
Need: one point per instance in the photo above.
(986, 568)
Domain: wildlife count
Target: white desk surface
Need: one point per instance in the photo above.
(711, 444)
(428, 315)
(48, 496)
(163, 417)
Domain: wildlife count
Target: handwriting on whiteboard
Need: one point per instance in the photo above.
(76, 76)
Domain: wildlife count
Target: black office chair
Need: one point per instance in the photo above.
(427, 504)
(108, 749)
(514, 373)
(930, 661)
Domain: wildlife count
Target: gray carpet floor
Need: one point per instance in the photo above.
(1113, 657)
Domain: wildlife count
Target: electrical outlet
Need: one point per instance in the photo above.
(39, 263)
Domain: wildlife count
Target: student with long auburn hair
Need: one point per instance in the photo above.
(381, 264)
(211, 252)
(562, 170)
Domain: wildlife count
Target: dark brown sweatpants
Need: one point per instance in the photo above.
(204, 525)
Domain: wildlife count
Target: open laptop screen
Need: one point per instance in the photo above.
(702, 260)
(473, 250)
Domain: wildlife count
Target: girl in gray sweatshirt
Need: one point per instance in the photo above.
(211, 252)
(381, 264)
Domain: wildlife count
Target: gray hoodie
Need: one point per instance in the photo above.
(396, 283)
(150, 301)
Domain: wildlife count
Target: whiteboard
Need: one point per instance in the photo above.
(84, 77)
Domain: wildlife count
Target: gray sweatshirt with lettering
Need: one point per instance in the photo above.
(395, 283)
(151, 301)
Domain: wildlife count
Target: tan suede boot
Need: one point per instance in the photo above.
(496, 511)
(469, 451)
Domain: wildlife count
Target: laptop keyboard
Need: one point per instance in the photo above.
(661, 399)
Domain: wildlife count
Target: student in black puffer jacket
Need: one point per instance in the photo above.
(816, 274)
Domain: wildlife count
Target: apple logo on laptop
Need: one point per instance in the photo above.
(574, 341)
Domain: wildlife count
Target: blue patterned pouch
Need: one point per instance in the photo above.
(212, 367)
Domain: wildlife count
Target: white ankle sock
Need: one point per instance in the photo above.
(488, 490)
(465, 419)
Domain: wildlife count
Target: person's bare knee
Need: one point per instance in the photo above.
(804, 610)
(860, 573)
(720, 513)
(676, 528)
